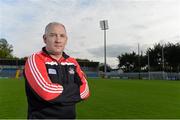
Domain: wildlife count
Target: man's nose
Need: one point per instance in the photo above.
(58, 38)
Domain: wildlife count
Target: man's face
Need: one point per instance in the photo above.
(55, 39)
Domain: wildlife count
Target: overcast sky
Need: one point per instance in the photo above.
(131, 22)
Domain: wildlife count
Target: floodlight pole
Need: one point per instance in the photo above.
(105, 67)
(104, 26)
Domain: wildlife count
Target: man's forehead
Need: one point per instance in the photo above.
(52, 32)
(54, 28)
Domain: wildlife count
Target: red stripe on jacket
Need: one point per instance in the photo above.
(37, 77)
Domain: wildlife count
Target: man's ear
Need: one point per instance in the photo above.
(44, 38)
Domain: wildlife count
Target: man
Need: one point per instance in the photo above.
(54, 81)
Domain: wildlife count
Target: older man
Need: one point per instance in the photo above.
(54, 80)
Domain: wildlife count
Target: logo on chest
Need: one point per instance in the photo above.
(52, 71)
(71, 71)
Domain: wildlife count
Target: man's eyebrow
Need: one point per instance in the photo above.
(56, 33)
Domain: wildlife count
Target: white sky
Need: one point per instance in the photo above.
(131, 22)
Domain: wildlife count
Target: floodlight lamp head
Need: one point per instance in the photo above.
(104, 24)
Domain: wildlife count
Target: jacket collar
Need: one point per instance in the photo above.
(64, 54)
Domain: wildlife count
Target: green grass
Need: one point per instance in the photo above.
(12, 99)
(113, 98)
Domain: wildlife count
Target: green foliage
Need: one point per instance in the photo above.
(82, 60)
(108, 67)
(129, 61)
(172, 56)
(5, 49)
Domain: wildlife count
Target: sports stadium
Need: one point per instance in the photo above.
(129, 51)
(111, 98)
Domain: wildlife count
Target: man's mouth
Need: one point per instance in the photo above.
(58, 46)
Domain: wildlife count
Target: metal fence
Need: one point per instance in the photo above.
(146, 75)
(11, 71)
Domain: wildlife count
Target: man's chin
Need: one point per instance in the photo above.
(57, 52)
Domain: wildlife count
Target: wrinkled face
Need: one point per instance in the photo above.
(55, 39)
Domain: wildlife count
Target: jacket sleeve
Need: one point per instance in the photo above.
(37, 77)
(84, 88)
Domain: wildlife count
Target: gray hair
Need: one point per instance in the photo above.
(51, 24)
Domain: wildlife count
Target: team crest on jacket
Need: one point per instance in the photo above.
(71, 70)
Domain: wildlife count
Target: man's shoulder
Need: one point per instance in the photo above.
(72, 60)
(36, 55)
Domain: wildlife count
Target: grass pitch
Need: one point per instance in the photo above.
(110, 98)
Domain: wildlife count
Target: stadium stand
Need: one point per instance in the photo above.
(14, 68)
(11, 68)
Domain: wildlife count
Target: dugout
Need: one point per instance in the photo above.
(14, 68)
(11, 68)
(91, 69)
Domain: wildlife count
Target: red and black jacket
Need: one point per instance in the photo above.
(51, 84)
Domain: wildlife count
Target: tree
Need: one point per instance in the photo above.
(128, 62)
(82, 60)
(173, 56)
(5, 49)
(101, 67)
(155, 56)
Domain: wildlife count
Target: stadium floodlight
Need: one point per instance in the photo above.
(104, 26)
